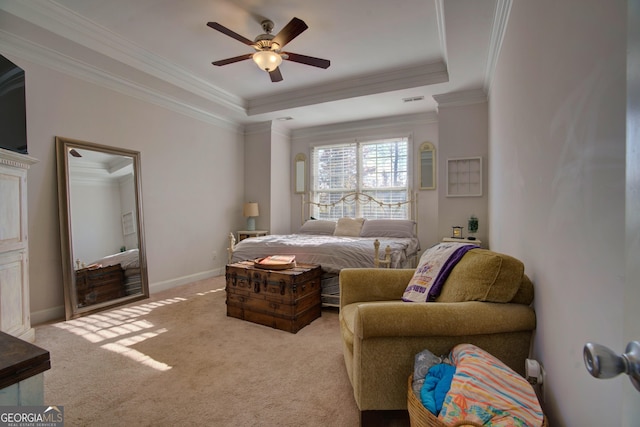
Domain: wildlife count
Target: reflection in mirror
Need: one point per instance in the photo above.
(101, 229)
(300, 165)
(427, 166)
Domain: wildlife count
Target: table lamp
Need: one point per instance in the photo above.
(250, 210)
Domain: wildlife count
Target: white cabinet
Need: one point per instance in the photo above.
(15, 316)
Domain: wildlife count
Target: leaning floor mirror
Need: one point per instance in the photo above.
(101, 227)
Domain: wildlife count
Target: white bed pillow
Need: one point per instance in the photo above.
(349, 227)
(318, 226)
(388, 228)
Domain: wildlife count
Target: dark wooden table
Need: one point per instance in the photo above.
(20, 360)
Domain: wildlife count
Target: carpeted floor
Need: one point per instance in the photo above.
(176, 359)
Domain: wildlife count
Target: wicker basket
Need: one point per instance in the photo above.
(419, 416)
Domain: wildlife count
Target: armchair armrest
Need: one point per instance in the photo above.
(404, 319)
(372, 284)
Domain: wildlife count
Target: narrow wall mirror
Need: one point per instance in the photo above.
(101, 227)
(427, 166)
(300, 163)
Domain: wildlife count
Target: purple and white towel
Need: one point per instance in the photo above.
(433, 270)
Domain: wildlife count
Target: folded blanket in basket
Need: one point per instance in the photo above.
(436, 385)
(486, 391)
(423, 361)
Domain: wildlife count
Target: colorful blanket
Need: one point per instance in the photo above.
(486, 391)
(433, 270)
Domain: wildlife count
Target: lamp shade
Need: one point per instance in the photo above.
(250, 209)
(267, 60)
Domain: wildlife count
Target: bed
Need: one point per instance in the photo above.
(343, 243)
(129, 261)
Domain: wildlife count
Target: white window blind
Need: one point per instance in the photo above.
(376, 168)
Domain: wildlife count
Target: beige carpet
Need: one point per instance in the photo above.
(177, 360)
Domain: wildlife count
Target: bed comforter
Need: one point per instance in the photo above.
(333, 253)
(128, 259)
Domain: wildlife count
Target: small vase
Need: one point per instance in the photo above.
(472, 226)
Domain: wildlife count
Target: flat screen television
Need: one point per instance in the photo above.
(13, 113)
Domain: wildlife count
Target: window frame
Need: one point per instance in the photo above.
(360, 207)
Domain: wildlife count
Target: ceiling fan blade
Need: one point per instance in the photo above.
(308, 60)
(292, 30)
(276, 75)
(232, 60)
(228, 32)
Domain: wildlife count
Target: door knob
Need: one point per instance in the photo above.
(602, 362)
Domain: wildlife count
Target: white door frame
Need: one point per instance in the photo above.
(631, 402)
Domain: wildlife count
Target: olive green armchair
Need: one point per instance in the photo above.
(485, 301)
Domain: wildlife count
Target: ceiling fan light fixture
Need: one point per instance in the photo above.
(267, 60)
(268, 55)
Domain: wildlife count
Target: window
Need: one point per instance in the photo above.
(376, 168)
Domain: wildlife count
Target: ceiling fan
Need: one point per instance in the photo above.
(269, 55)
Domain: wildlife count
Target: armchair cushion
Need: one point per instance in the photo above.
(483, 275)
(525, 292)
(398, 319)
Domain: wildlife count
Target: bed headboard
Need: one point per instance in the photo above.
(357, 204)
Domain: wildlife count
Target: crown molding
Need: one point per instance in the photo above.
(464, 97)
(257, 128)
(442, 31)
(420, 75)
(95, 173)
(69, 25)
(498, 30)
(280, 129)
(38, 54)
(272, 127)
(329, 131)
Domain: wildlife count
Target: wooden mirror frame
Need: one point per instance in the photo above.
(300, 173)
(64, 149)
(427, 166)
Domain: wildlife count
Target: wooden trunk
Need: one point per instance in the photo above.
(96, 285)
(282, 299)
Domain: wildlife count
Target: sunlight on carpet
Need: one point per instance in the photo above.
(124, 322)
(179, 350)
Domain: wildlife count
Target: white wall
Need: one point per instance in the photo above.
(281, 184)
(267, 170)
(557, 171)
(463, 131)
(95, 203)
(257, 170)
(192, 179)
(419, 127)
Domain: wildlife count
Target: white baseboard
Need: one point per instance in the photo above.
(56, 314)
(168, 284)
